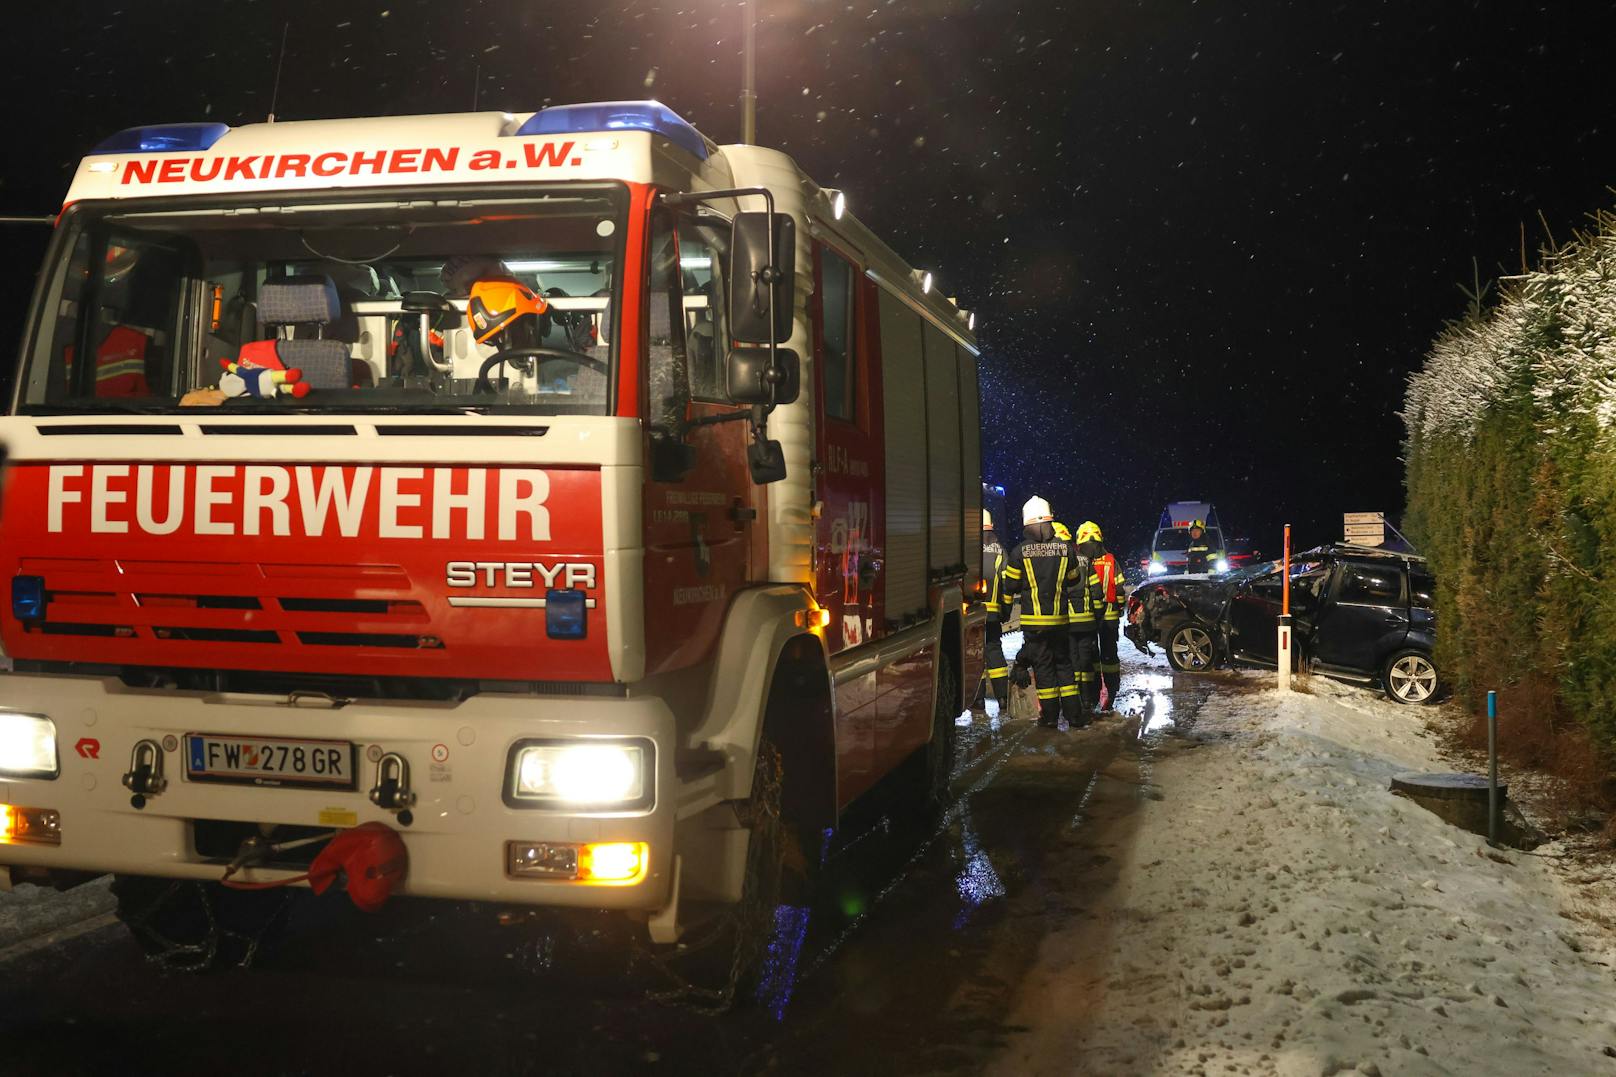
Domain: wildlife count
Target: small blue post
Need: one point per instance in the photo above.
(1492, 768)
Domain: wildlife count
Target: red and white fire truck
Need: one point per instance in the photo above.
(295, 546)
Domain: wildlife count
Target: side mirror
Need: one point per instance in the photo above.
(748, 380)
(756, 275)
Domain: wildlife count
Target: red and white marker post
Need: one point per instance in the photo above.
(1285, 618)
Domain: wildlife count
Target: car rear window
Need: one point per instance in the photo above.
(1422, 590)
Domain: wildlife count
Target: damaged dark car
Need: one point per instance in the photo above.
(1358, 614)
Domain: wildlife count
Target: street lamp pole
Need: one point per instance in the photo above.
(749, 74)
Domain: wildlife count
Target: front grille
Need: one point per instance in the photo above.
(266, 605)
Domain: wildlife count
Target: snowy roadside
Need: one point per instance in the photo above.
(1281, 912)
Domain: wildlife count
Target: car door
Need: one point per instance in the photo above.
(1254, 617)
(1366, 614)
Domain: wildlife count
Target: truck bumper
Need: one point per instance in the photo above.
(458, 754)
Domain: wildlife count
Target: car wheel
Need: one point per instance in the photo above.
(1190, 649)
(1410, 677)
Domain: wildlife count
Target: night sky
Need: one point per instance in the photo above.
(1207, 240)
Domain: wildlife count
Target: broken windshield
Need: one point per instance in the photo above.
(360, 306)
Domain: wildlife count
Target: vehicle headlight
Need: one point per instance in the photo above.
(27, 746)
(610, 775)
(1156, 569)
(1222, 565)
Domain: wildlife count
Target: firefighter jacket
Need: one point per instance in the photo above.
(1111, 586)
(1199, 556)
(1044, 576)
(1087, 601)
(993, 576)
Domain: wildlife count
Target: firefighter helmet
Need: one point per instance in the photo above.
(987, 520)
(497, 304)
(1089, 532)
(1036, 510)
(1060, 531)
(1197, 523)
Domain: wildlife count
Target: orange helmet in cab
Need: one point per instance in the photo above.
(496, 304)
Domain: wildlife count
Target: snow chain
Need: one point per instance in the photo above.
(203, 955)
(748, 926)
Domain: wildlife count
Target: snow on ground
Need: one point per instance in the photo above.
(1281, 912)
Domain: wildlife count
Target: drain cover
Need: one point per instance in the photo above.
(1445, 786)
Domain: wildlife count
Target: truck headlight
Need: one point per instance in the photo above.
(27, 746)
(590, 775)
(1156, 569)
(1222, 565)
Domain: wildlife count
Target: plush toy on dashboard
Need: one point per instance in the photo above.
(258, 372)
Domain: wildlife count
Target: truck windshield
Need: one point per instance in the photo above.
(360, 306)
(1175, 539)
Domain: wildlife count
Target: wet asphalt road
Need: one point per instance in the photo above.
(910, 964)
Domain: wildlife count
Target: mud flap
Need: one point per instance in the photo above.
(664, 924)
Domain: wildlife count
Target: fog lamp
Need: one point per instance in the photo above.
(27, 746)
(591, 774)
(605, 863)
(38, 826)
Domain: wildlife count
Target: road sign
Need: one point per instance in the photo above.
(1364, 528)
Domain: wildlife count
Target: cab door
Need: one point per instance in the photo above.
(700, 505)
(847, 576)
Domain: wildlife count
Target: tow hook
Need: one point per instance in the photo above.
(392, 790)
(145, 776)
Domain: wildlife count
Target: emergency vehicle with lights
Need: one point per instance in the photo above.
(632, 482)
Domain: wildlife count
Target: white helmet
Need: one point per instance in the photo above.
(1036, 510)
(987, 520)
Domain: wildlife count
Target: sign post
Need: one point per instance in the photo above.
(1284, 648)
(1364, 528)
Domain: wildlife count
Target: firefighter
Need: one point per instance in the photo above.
(1038, 574)
(1199, 555)
(1108, 577)
(998, 670)
(1083, 624)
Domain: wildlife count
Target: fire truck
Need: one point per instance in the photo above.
(324, 561)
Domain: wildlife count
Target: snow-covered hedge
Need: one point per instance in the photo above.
(1511, 474)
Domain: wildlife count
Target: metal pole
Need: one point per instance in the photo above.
(749, 74)
(1492, 768)
(1283, 651)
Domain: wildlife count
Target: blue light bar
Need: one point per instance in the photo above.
(566, 613)
(617, 116)
(164, 138)
(28, 598)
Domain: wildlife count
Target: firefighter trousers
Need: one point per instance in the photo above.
(998, 670)
(1110, 666)
(1049, 653)
(1085, 647)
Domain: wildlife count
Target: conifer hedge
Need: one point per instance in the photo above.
(1511, 477)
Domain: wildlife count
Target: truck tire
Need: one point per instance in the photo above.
(199, 927)
(727, 963)
(1410, 677)
(1191, 648)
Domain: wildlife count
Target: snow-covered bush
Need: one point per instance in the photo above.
(1511, 475)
